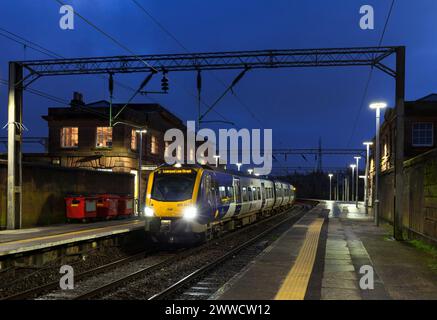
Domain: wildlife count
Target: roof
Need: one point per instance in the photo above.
(429, 98)
(136, 112)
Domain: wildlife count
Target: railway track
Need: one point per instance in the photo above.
(55, 284)
(99, 291)
(187, 280)
(162, 261)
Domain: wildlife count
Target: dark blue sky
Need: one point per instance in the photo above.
(298, 104)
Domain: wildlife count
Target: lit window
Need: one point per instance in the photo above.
(133, 140)
(423, 134)
(70, 137)
(104, 137)
(154, 145)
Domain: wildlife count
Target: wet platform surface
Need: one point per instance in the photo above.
(350, 250)
(25, 240)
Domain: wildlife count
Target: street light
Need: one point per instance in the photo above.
(140, 158)
(366, 175)
(216, 157)
(377, 106)
(250, 171)
(353, 166)
(238, 166)
(330, 185)
(358, 172)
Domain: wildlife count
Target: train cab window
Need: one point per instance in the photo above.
(255, 195)
(173, 186)
(258, 191)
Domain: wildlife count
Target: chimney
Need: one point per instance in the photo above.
(77, 100)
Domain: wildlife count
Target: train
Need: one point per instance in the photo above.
(195, 203)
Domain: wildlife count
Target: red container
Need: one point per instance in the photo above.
(125, 206)
(107, 206)
(81, 207)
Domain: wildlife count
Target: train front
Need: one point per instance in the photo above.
(171, 214)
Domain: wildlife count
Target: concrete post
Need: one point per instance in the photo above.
(400, 136)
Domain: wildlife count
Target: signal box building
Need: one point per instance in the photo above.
(80, 136)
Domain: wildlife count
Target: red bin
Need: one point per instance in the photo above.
(107, 206)
(125, 206)
(80, 207)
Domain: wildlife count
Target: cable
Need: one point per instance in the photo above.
(118, 43)
(171, 35)
(38, 93)
(24, 43)
(363, 99)
(121, 45)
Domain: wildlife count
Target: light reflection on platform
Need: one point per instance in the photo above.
(349, 210)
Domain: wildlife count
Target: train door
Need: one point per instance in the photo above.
(237, 191)
(210, 194)
(263, 195)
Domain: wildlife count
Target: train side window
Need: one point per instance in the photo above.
(244, 194)
(230, 192)
(222, 192)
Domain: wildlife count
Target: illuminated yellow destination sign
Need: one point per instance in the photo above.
(175, 171)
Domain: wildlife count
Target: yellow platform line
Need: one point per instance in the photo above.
(70, 233)
(296, 282)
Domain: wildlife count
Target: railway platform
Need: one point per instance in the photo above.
(43, 238)
(335, 252)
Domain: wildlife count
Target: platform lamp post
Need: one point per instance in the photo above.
(377, 106)
(366, 175)
(140, 159)
(353, 166)
(330, 185)
(356, 180)
(238, 166)
(250, 171)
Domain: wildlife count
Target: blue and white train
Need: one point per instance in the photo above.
(195, 203)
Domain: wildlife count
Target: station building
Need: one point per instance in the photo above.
(84, 152)
(420, 166)
(80, 136)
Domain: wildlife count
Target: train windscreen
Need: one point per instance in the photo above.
(172, 186)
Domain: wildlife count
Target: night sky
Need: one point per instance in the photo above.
(300, 105)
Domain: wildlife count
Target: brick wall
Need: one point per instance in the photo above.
(44, 189)
(420, 194)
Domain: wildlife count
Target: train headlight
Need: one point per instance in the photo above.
(149, 212)
(190, 213)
